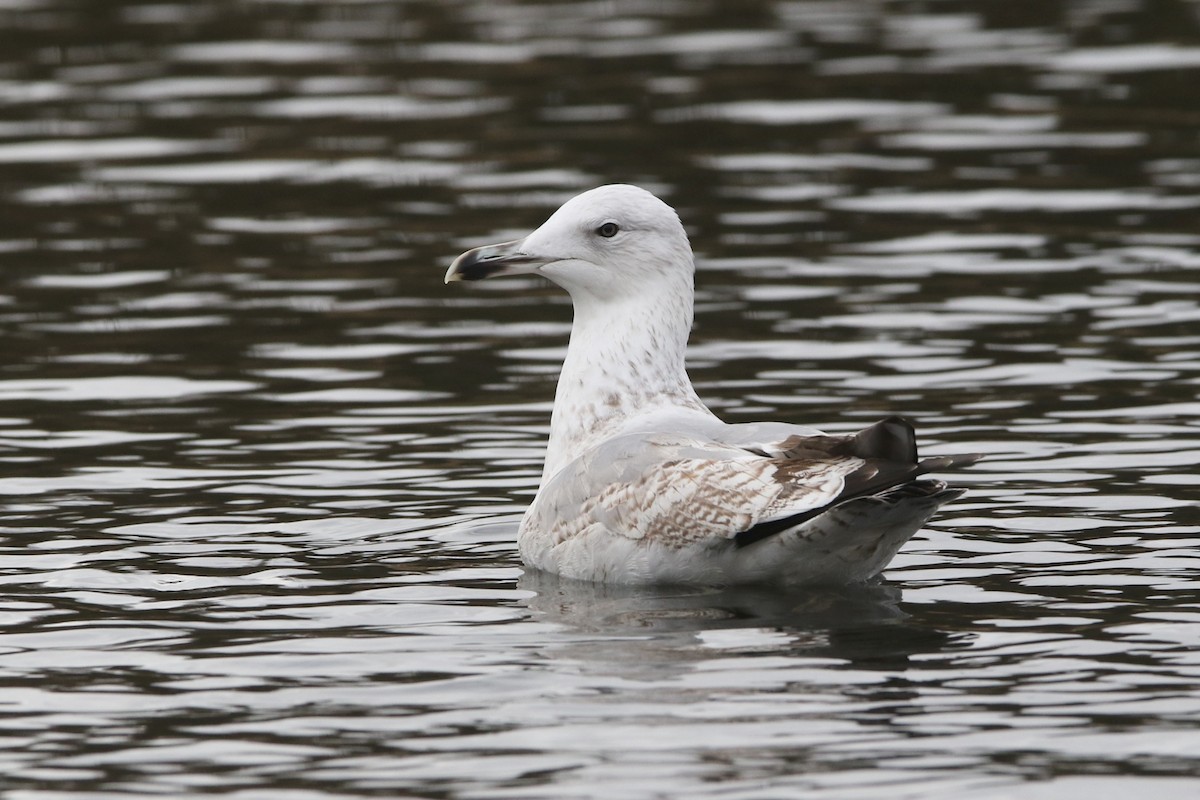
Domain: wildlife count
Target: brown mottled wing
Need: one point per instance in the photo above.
(887, 456)
(678, 491)
(689, 500)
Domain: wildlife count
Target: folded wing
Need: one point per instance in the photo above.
(678, 491)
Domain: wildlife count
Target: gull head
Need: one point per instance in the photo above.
(607, 243)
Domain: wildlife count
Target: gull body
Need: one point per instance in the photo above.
(642, 483)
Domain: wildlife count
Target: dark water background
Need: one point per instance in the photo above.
(260, 471)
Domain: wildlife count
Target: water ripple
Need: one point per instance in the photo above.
(263, 471)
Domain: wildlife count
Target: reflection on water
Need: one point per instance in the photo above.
(262, 473)
(650, 634)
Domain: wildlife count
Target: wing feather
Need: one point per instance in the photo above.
(686, 501)
(678, 491)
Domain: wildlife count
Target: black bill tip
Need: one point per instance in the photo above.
(491, 260)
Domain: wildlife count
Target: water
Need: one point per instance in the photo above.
(262, 471)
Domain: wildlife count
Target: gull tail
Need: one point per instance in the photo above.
(889, 474)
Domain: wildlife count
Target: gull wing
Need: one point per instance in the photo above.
(679, 491)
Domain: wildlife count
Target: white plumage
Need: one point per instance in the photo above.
(642, 483)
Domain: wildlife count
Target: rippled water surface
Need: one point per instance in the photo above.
(261, 471)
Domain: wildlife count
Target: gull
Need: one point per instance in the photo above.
(642, 483)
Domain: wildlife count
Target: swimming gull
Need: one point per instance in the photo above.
(642, 483)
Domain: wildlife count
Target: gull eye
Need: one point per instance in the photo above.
(608, 230)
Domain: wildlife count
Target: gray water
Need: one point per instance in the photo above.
(262, 472)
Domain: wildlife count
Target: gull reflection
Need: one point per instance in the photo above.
(649, 630)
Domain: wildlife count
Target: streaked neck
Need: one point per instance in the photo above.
(625, 358)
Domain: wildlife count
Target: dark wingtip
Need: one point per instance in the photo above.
(891, 468)
(939, 463)
(893, 439)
